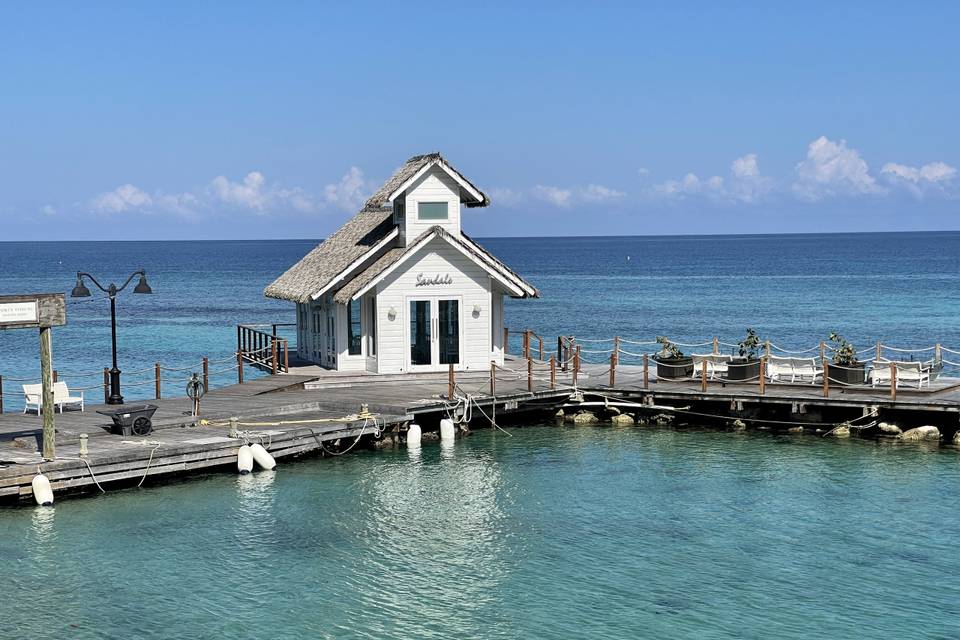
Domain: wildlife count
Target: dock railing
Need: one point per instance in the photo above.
(265, 350)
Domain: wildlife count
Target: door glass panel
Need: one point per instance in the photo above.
(449, 331)
(419, 332)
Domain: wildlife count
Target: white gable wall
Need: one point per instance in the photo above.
(435, 185)
(471, 286)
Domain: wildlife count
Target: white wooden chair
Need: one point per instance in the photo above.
(717, 364)
(32, 397)
(62, 397)
(781, 369)
(908, 373)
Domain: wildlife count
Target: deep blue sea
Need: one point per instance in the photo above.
(550, 533)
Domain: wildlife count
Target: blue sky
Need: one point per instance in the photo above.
(207, 120)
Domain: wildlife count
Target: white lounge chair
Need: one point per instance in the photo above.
(717, 364)
(908, 373)
(62, 397)
(780, 369)
(33, 397)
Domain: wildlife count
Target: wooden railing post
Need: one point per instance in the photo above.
(766, 346)
(1, 394)
(613, 369)
(493, 379)
(763, 376)
(616, 347)
(576, 364)
(540, 340)
(239, 338)
(239, 367)
(703, 375)
(526, 343)
(893, 380)
(646, 371)
(286, 356)
(826, 379)
(823, 352)
(937, 353)
(530, 375)
(716, 345)
(156, 372)
(106, 385)
(56, 376)
(553, 378)
(879, 349)
(206, 374)
(506, 340)
(451, 381)
(273, 357)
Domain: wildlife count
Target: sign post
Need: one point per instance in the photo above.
(41, 311)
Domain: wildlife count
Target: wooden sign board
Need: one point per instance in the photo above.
(33, 311)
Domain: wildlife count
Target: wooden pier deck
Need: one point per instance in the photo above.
(312, 411)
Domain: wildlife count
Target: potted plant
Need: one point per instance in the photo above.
(747, 366)
(671, 363)
(849, 369)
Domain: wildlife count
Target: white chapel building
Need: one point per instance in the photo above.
(400, 287)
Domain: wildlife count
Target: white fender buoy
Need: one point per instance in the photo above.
(244, 460)
(447, 430)
(262, 456)
(42, 492)
(413, 435)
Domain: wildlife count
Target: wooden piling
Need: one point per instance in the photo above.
(530, 375)
(273, 357)
(540, 340)
(239, 367)
(1, 394)
(553, 378)
(716, 345)
(156, 372)
(46, 373)
(823, 352)
(576, 364)
(56, 376)
(766, 346)
(893, 380)
(493, 379)
(613, 369)
(703, 375)
(763, 375)
(106, 384)
(826, 379)
(206, 374)
(879, 350)
(646, 371)
(451, 382)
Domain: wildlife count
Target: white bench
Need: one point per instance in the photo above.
(908, 373)
(33, 397)
(717, 364)
(780, 369)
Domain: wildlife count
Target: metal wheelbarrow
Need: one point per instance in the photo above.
(132, 420)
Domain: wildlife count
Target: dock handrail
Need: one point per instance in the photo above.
(268, 351)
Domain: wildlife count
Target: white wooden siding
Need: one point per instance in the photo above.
(471, 285)
(433, 186)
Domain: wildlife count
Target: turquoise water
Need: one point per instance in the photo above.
(551, 533)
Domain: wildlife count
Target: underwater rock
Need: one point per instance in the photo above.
(840, 431)
(622, 420)
(663, 419)
(430, 436)
(585, 417)
(738, 425)
(956, 438)
(889, 429)
(797, 429)
(921, 433)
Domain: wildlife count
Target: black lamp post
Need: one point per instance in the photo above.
(81, 291)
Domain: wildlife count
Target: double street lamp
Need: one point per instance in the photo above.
(81, 291)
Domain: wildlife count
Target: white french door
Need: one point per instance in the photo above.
(433, 333)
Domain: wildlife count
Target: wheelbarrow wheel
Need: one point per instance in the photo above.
(142, 426)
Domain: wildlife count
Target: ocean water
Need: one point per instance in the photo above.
(550, 533)
(902, 288)
(556, 532)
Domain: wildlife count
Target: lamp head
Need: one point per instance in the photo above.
(80, 291)
(142, 286)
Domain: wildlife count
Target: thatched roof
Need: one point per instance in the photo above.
(350, 243)
(394, 255)
(360, 243)
(408, 170)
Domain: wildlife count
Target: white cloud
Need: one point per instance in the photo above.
(744, 184)
(920, 180)
(48, 210)
(351, 192)
(567, 197)
(553, 195)
(600, 193)
(643, 171)
(248, 194)
(833, 169)
(124, 198)
(506, 197)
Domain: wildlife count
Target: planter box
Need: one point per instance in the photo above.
(741, 369)
(847, 375)
(675, 368)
